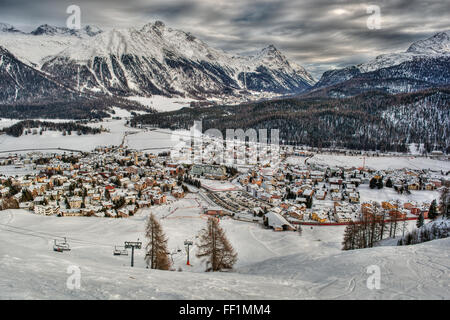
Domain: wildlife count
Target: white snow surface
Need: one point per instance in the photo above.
(140, 139)
(161, 103)
(422, 196)
(376, 163)
(55, 139)
(271, 265)
(33, 49)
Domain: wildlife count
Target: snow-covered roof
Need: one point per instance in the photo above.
(276, 220)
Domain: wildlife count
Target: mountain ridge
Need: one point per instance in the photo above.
(425, 60)
(154, 59)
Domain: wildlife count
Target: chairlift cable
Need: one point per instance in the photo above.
(24, 229)
(27, 234)
(46, 235)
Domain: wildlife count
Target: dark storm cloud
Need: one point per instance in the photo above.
(319, 34)
(258, 13)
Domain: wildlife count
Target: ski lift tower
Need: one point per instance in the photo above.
(187, 244)
(132, 245)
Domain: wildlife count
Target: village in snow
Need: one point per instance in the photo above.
(224, 155)
(117, 181)
(87, 201)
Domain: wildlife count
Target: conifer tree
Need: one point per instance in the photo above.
(349, 237)
(445, 202)
(215, 247)
(389, 183)
(157, 254)
(380, 183)
(373, 183)
(432, 212)
(420, 220)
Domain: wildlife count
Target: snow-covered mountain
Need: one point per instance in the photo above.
(159, 60)
(20, 82)
(439, 44)
(424, 64)
(4, 28)
(30, 93)
(48, 30)
(154, 59)
(42, 42)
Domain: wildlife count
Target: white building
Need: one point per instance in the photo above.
(46, 210)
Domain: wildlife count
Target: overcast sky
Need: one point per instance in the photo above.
(318, 34)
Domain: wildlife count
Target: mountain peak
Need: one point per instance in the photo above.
(45, 29)
(92, 30)
(50, 30)
(439, 43)
(270, 49)
(156, 26)
(5, 27)
(159, 24)
(271, 55)
(270, 52)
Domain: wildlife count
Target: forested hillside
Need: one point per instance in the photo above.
(370, 121)
(35, 126)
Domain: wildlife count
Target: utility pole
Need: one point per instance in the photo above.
(132, 245)
(187, 244)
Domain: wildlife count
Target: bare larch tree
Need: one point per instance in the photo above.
(214, 245)
(157, 254)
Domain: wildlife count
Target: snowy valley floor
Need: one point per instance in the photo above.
(271, 265)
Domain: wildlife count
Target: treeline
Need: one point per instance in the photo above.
(439, 228)
(426, 233)
(189, 180)
(367, 232)
(36, 126)
(372, 121)
(97, 107)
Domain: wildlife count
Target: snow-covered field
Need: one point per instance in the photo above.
(163, 104)
(155, 141)
(271, 265)
(54, 139)
(422, 196)
(217, 185)
(377, 163)
(141, 139)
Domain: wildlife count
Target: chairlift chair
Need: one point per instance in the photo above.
(120, 251)
(61, 245)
